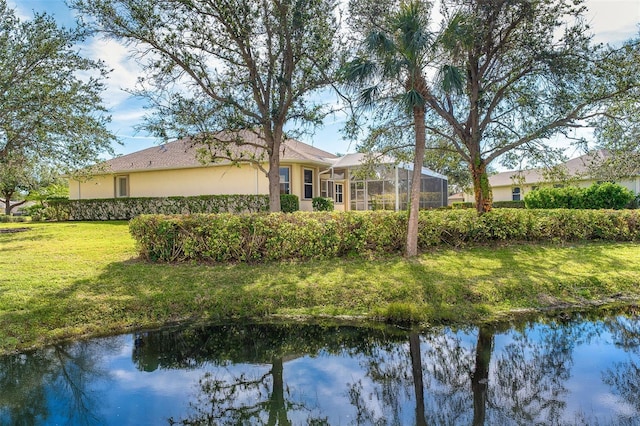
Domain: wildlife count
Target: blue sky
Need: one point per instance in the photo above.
(612, 21)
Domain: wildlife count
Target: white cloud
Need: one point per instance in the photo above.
(613, 21)
(125, 70)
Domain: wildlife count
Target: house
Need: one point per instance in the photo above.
(173, 169)
(514, 185)
(458, 197)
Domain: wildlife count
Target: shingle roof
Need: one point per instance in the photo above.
(182, 153)
(357, 159)
(578, 166)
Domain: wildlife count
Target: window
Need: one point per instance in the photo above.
(308, 184)
(327, 189)
(285, 180)
(515, 194)
(122, 186)
(339, 192)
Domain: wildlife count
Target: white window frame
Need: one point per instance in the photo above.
(306, 185)
(287, 183)
(339, 194)
(324, 188)
(118, 186)
(516, 191)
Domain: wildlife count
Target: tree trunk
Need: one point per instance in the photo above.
(480, 377)
(481, 188)
(274, 172)
(414, 201)
(418, 385)
(7, 202)
(277, 406)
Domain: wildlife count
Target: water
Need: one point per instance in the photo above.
(572, 372)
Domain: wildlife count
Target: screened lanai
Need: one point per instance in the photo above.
(380, 187)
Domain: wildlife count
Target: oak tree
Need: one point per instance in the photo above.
(229, 74)
(51, 113)
(508, 76)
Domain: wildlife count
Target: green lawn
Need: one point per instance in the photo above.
(66, 280)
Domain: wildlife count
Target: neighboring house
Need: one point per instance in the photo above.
(172, 169)
(514, 185)
(458, 197)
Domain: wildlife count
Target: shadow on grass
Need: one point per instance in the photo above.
(20, 234)
(447, 285)
(530, 276)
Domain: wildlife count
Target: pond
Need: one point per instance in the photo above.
(570, 371)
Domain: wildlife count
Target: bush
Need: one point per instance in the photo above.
(598, 196)
(634, 203)
(462, 205)
(127, 208)
(509, 204)
(304, 235)
(322, 204)
(607, 195)
(10, 219)
(289, 203)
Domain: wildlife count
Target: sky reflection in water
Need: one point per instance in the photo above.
(575, 372)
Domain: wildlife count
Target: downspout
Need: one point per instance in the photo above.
(79, 190)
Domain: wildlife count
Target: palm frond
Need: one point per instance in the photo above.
(380, 43)
(451, 79)
(368, 96)
(412, 98)
(457, 34)
(359, 70)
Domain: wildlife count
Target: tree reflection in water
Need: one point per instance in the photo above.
(227, 397)
(295, 374)
(28, 380)
(624, 377)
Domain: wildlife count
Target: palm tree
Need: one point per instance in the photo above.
(393, 65)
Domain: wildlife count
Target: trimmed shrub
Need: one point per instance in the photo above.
(304, 235)
(509, 204)
(634, 203)
(127, 208)
(289, 203)
(598, 196)
(462, 205)
(11, 219)
(607, 195)
(322, 204)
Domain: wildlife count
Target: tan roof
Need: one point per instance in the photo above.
(183, 153)
(577, 167)
(358, 158)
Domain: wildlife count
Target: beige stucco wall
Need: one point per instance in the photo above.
(96, 187)
(227, 179)
(246, 179)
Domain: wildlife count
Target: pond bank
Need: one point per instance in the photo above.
(64, 281)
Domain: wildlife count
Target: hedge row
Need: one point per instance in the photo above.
(496, 205)
(305, 235)
(127, 208)
(604, 195)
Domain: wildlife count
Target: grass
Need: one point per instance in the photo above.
(68, 280)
